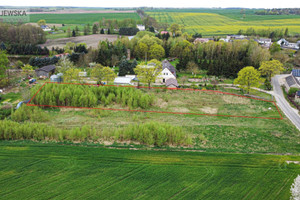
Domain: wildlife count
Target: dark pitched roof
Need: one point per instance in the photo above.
(290, 80)
(296, 72)
(168, 65)
(47, 68)
(171, 81)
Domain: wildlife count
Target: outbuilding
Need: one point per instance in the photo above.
(45, 71)
(121, 80)
(171, 83)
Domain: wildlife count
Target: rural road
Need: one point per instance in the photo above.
(290, 112)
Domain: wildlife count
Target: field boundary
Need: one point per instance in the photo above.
(163, 112)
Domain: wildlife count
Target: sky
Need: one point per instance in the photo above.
(158, 3)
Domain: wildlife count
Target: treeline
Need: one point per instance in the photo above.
(279, 11)
(128, 31)
(24, 49)
(21, 34)
(269, 33)
(40, 62)
(227, 59)
(91, 96)
(218, 57)
(153, 133)
(116, 24)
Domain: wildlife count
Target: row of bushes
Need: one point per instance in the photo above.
(91, 96)
(152, 133)
(33, 114)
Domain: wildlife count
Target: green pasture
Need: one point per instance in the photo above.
(81, 18)
(47, 171)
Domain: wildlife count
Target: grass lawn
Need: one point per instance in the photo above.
(44, 171)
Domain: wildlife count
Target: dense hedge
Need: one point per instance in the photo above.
(41, 62)
(152, 133)
(128, 31)
(91, 96)
(34, 114)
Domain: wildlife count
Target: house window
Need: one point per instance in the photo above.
(164, 80)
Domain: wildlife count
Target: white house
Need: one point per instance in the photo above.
(168, 72)
(141, 27)
(266, 42)
(283, 41)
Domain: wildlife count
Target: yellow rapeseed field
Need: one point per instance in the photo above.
(215, 24)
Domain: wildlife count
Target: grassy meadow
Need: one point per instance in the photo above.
(81, 18)
(45, 171)
(209, 133)
(222, 23)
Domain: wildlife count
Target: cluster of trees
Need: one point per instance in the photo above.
(249, 77)
(146, 45)
(150, 23)
(128, 31)
(219, 58)
(152, 133)
(41, 62)
(91, 96)
(24, 49)
(3, 66)
(117, 24)
(109, 53)
(279, 11)
(126, 67)
(274, 34)
(21, 34)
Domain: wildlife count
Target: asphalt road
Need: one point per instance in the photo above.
(290, 112)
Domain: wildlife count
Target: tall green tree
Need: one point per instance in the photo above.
(248, 77)
(156, 52)
(3, 63)
(271, 68)
(148, 73)
(102, 73)
(95, 28)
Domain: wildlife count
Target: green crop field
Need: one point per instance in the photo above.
(81, 18)
(47, 171)
(211, 22)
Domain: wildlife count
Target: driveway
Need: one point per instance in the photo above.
(290, 112)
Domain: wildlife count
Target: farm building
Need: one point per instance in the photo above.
(141, 27)
(171, 83)
(293, 80)
(265, 42)
(297, 95)
(57, 78)
(121, 80)
(202, 40)
(168, 72)
(288, 45)
(45, 71)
